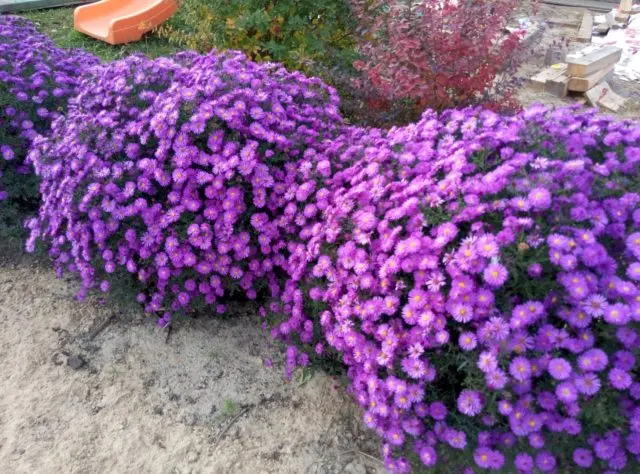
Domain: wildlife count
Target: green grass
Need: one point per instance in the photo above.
(57, 23)
(229, 408)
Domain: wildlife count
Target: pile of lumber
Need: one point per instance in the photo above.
(581, 72)
(615, 18)
(624, 11)
(586, 70)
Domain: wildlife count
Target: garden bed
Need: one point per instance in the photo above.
(421, 261)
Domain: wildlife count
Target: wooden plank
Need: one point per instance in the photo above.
(586, 28)
(602, 96)
(623, 17)
(583, 65)
(612, 102)
(594, 6)
(626, 6)
(539, 81)
(583, 84)
(575, 22)
(558, 86)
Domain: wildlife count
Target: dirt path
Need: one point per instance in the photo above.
(203, 403)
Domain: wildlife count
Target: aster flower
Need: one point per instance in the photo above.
(496, 379)
(520, 369)
(583, 457)
(462, 313)
(540, 198)
(470, 402)
(486, 246)
(487, 362)
(415, 368)
(617, 314)
(593, 360)
(495, 275)
(524, 462)
(456, 439)
(619, 379)
(534, 270)
(545, 461)
(633, 244)
(566, 392)
(633, 271)
(438, 411)
(428, 456)
(467, 341)
(588, 384)
(504, 407)
(604, 449)
(559, 369)
(488, 458)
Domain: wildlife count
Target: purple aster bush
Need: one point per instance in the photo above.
(36, 80)
(476, 274)
(185, 172)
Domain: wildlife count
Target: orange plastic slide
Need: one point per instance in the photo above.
(122, 21)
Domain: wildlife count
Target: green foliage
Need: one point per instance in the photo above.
(57, 23)
(229, 408)
(304, 35)
(22, 187)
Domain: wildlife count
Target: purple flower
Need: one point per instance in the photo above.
(520, 368)
(505, 408)
(604, 449)
(539, 198)
(482, 457)
(559, 369)
(633, 244)
(495, 275)
(566, 392)
(593, 360)
(428, 456)
(468, 341)
(470, 402)
(524, 462)
(534, 270)
(619, 379)
(633, 271)
(588, 384)
(438, 411)
(583, 457)
(617, 314)
(7, 153)
(545, 461)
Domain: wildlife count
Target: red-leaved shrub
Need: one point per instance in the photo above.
(438, 54)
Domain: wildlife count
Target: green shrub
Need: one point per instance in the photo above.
(301, 34)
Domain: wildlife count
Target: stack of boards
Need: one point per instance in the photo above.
(617, 18)
(583, 71)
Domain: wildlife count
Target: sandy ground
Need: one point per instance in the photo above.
(201, 403)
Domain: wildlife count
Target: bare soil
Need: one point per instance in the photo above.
(88, 388)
